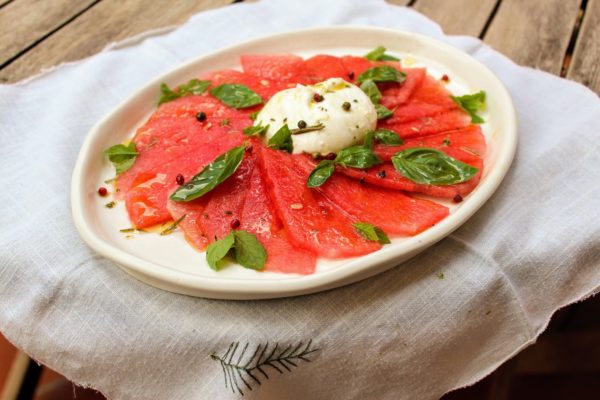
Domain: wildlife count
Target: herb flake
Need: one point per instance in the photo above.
(243, 246)
(236, 96)
(122, 156)
(378, 54)
(194, 86)
(282, 140)
(371, 232)
(472, 104)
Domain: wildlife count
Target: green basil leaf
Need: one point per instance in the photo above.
(282, 140)
(383, 73)
(371, 90)
(236, 96)
(382, 112)
(122, 156)
(211, 176)
(321, 173)
(216, 251)
(371, 232)
(357, 157)
(431, 167)
(253, 115)
(387, 137)
(255, 130)
(378, 54)
(194, 86)
(249, 252)
(472, 104)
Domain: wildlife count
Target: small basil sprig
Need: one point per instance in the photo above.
(383, 136)
(361, 157)
(371, 232)
(122, 156)
(194, 86)
(321, 173)
(256, 129)
(383, 112)
(383, 73)
(236, 96)
(282, 140)
(378, 54)
(357, 157)
(472, 104)
(243, 246)
(431, 167)
(370, 88)
(211, 176)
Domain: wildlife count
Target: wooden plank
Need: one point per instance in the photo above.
(23, 22)
(108, 21)
(585, 62)
(535, 33)
(458, 17)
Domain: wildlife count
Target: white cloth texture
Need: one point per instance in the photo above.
(404, 334)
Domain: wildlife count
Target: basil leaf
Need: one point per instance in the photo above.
(255, 130)
(383, 73)
(382, 112)
(282, 140)
(383, 136)
(236, 96)
(249, 252)
(357, 157)
(371, 232)
(253, 115)
(216, 251)
(431, 167)
(122, 156)
(211, 176)
(371, 90)
(472, 103)
(387, 137)
(321, 173)
(194, 86)
(378, 54)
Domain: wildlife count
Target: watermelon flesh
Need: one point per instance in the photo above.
(312, 221)
(392, 179)
(268, 192)
(287, 68)
(242, 197)
(390, 210)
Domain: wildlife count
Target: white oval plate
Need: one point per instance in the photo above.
(170, 263)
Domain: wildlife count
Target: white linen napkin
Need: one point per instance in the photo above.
(405, 334)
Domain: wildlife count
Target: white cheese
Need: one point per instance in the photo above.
(343, 126)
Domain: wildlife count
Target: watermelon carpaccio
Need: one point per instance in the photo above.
(268, 195)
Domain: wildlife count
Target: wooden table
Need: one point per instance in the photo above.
(558, 36)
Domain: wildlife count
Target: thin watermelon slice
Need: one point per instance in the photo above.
(313, 223)
(423, 126)
(266, 88)
(469, 139)
(385, 175)
(242, 197)
(258, 217)
(322, 67)
(391, 210)
(356, 66)
(149, 189)
(394, 95)
(287, 68)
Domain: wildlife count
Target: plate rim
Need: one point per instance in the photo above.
(359, 267)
